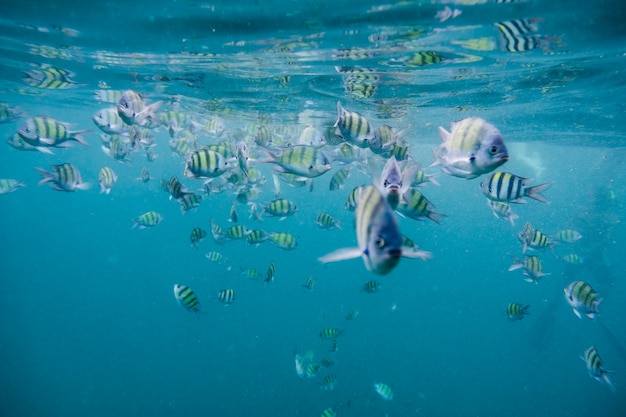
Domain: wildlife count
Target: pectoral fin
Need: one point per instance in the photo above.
(341, 255)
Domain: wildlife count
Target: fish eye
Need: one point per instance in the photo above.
(380, 242)
(310, 167)
(493, 149)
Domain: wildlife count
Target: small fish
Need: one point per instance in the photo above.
(197, 235)
(309, 284)
(583, 299)
(189, 202)
(109, 121)
(232, 214)
(352, 314)
(226, 296)
(415, 205)
(573, 258)
(329, 382)
(533, 269)
(422, 58)
(346, 153)
(353, 127)
(326, 221)
(8, 113)
(63, 177)
(214, 256)
(532, 238)
(371, 286)
(594, 367)
(385, 138)
(509, 188)
(302, 161)
(206, 163)
(148, 219)
(271, 273)
(283, 240)
(310, 136)
(351, 202)
(502, 211)
(394, 181)
(236, 232)
(187, 298)
(338, 179)
(568, 236)
(44, 131)
(106, 179)
(384, 391)
(515, 311)
(472, 148)
(329, 412)
(50, 77)
(378, 235)
(144, 175)
(251, 273)
(133, 109)
(108, 96)
(330, 333)
(256, 236)
(10, 185)
(280, 207)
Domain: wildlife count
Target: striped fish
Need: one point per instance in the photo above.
(509, 188)
(515, 311)
(502, 211)
(148, 219)
(63, 177)
(108, 96)
(133, 109)
(583, 299)
(330, 333)
(109, 121)
(106, 179)
(518, 35)
(206, 163)
(187, 298)
(378, 235)
(50, 78)
(371, 286)
(532, 238)
(256, 236)
(326, 221)
(568, 236)
(533, 269)
(384, 391)
(353, 127)
(415, 206)
(197, 235)
(339, 179)
(226, 296)
(473, 147)
(10, 185)
(283, 240)
(280, 207)
(594, 367)
(271, 273)
(44, 131)
(302, 161)
(329, 412)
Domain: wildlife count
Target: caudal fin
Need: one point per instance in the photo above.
(534, 192)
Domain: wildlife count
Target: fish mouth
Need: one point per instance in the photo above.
(395, 253)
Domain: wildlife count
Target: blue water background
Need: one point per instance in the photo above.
(88, 320)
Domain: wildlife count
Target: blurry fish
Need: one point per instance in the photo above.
(502, 211)
(300, 366)
(118, 148)
(310, 136)
(50, 77)
(280, 207)
(378, 235)
(232, 214)
(187, 298)
(385, 138)
(189, 202)
(532, 268)
(251, 273)
(384, 391)
(17, 142)
(310, 284)
(339, 179)
(447, 13)
(44, 131)
(329, 382)
(568, 236)
(10, 185)
(371, 286)
(214, 256)
(594, 367)
(573, 258)
(509, 188)
(353, 127)
(515, 311)
(133, 109)
(8, 114)
(226, 296)
(394, 182)
(352, 314)
(106, 179)
(472, 148)
(351, 203)
(236, 232)
(517, 35)
(144, 175)
(283, 240)
(301, 160)
(256, 236)
(217, 233)
(148, 219)
(206, 163)
(271, 273)
(420, 178)
(419, 59)
(532, 238)
(197, 235)
(346, 153)
(329, 412)
(109, 121)
(108, 96)
(330, 333)
(583, 299)
(63, 177)
(415, 206)
(326, 221)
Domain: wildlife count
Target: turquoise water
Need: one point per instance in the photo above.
(89, 321)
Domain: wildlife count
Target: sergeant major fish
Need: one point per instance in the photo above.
(187, 298)
(509, 188)
(583, 299)
(594, 367)
(353, 127)
(378, 235)
(473, 147)
(64, 177)
(44, 131)
(133, 109)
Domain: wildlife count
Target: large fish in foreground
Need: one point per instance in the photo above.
(473, 147)
(378, 235)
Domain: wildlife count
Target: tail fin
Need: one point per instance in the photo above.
(534, 192)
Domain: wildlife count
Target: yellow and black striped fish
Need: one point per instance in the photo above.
(148, 219)
(256, 236)
(271, 273)
(338, 179)
(10, 185)
(583, 299)
(371, 286)
(301, 160)
(326, 221)
(197, 234)
(226, 296)
(353, 127)
(187, 298)
(415, 205)
(49, 77)
(515, 311)
(44, 131)
(63, 177)
(533, 269)
(517, 35)
(422, 58)
(106, 179)
(594, 367)
(280, 207)
(206, 163)
(509, 188)
(330, 333)
(284, 240)
(532, 238)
